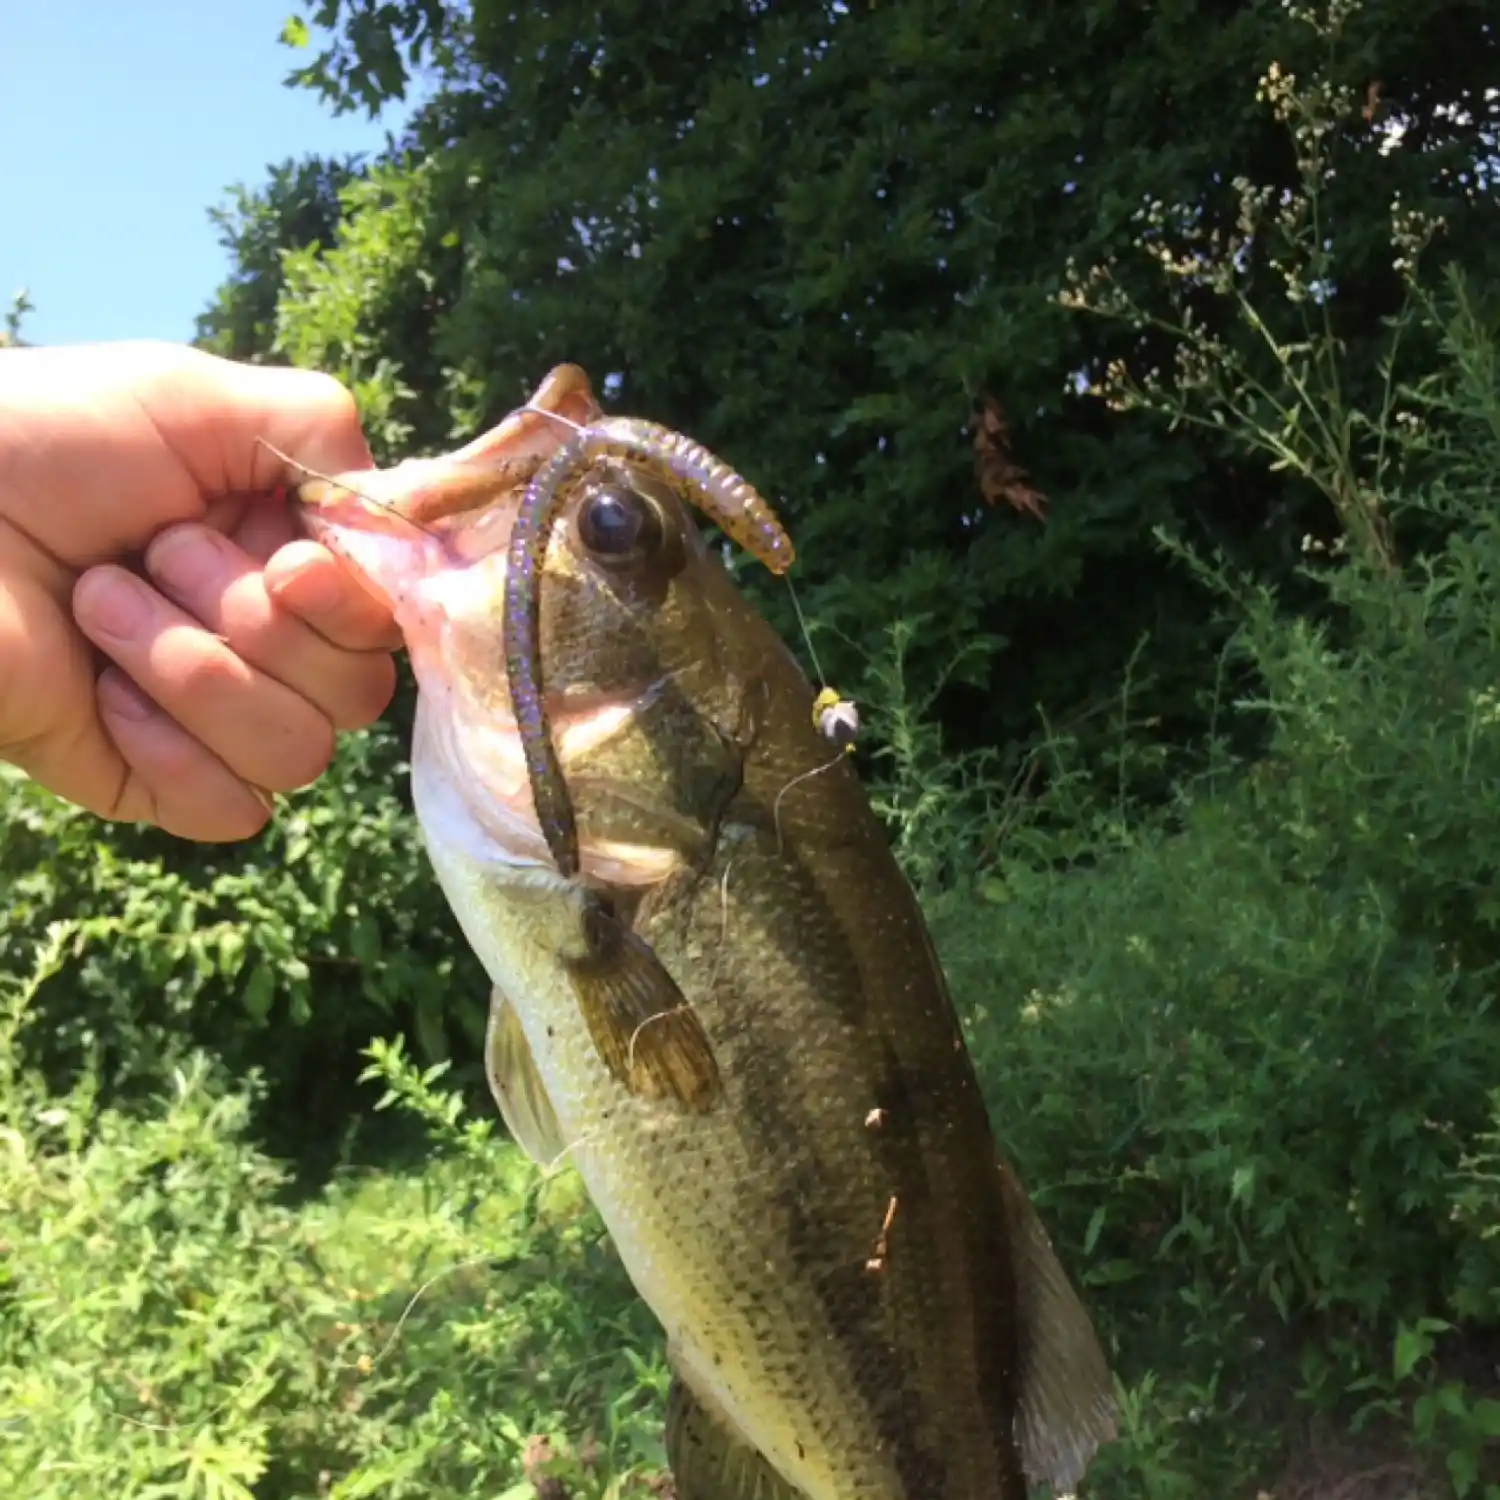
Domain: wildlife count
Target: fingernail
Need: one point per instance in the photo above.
(181, 558)
(122, 697)
(112, 602)
(317, 590)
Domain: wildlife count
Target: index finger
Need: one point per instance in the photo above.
(242, 428)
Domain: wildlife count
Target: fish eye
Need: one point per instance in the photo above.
(618, 523)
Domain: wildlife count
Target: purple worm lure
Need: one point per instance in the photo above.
(731, 502)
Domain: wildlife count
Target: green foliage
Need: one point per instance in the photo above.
(348, 311)
(170, 1329)
(814, 235)
(298, 207)
(285, 953)
(1247, 1043)
(15, 315)
(1224, 933)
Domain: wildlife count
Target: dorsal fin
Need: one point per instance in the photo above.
(1067, 1399)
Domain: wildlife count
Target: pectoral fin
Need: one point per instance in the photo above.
(518, 1087)
(645, 1031)
(1067, 1402)
(710, 1461)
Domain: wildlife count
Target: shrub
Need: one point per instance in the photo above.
(284, 954)
(1245, 1044)
(170, 1327)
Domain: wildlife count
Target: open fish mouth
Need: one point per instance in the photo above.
(455, 546)
(462, 505)
(428, 539)
(473, 790)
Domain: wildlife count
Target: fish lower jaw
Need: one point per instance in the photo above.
(472, 794)
(485, 831)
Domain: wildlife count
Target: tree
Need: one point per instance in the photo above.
(818, 236)
(297, 207)
(15, 315)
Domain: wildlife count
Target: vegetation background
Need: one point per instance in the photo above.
(1128, 375)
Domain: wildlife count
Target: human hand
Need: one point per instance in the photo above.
(234, 653)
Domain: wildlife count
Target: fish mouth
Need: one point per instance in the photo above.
(395, 527)
(428, 538)
(425, 514)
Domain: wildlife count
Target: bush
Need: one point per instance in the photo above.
(171, 1327)
(285, 954)
(1241, 1043)
(1245, 1045)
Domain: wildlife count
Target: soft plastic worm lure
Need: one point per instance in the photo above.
(723, 496)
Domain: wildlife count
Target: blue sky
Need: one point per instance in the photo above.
(122, 124)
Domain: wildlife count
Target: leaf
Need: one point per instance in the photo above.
(260, 991)
(1001, 479)
(1096, 1224)
(383, 1472)
(231, 951)
(295, 33)
(1463, 1470)
(1242, 1185)
(1414, 1342)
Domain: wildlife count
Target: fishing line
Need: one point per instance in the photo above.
(836, 718)
(661, 1015)
(416, 1297)
(882, 1247)
(807, 639)
(556, 416)
(365, 1365)
(723, 917)
(794, 782)
(384, 505)
(713, 978)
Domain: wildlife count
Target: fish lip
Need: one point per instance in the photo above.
(355, 501)
(316, 527)
(325, 506)
(366, 519)
(360, 534)
(443, 499)
(418, 491)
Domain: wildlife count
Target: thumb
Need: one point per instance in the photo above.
(103, 446)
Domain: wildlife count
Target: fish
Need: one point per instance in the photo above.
(714, 992)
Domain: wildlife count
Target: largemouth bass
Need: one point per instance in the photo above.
(714, 991)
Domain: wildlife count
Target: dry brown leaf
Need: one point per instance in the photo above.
(1000, 477)
(536, 1455)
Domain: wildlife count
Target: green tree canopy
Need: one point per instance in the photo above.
(818, 236)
